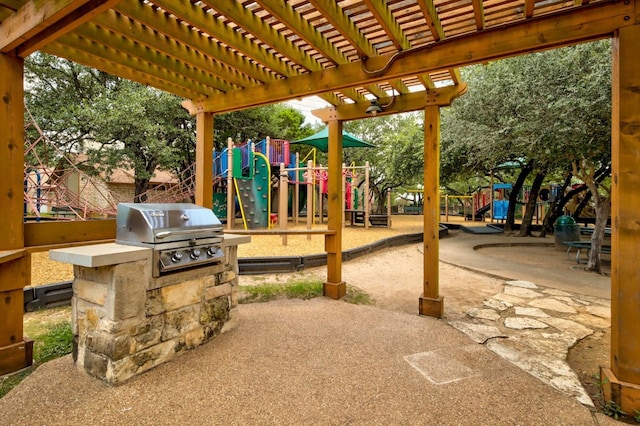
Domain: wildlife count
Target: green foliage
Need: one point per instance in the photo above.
(297, 290)
(356, 296)
(10, 382)
(398, 159)
(612, 409)
(123, 124)
(275, 121)
(57, 341)
(548, 107)
(52, 341)
(293, 290)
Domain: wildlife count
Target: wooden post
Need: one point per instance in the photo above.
(320, 203)
(334, 288)
(231, 206)
(464, 208)
(621, 382)
(389, 207)
(431, 303)
(365, 195)
(204, 160)
(446, 207)
(491, 199)
(296, 199)
(15, 264)
(310, 192)
(282, 205)
(344, 193)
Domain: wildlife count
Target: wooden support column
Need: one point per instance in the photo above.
(15, 264)
(310, 195)
(334, 288)
(621, 382)
(431, 303)
(231, 190)
(204, 159)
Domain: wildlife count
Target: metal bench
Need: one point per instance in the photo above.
(583, 245)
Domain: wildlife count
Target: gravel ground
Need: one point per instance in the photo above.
(306, 362)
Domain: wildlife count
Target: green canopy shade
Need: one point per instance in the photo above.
(321, 141)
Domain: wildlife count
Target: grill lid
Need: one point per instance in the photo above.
(164, 222)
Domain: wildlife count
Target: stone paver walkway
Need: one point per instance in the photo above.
(534, 327)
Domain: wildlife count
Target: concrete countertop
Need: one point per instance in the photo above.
(93, 256)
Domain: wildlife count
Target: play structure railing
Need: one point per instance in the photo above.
(276, 150)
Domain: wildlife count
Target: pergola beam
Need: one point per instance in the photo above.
(32, 18)
(151, 38)
(98, 62)
(194, 15)
(593, 22)
(431, 16)
(181, 34)
(442, 96)
(65, 25)
(142, 54)
(143, 67)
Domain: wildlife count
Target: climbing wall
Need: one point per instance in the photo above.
(254, 195)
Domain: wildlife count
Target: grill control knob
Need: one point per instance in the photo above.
(195, 254)
(177, 256)
(211, 251)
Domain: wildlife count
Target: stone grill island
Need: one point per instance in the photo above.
(125, 321)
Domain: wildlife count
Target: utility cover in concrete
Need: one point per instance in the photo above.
(523, 284)
(439, 368)
(523, 323)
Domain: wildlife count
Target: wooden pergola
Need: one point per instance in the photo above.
(228, 55)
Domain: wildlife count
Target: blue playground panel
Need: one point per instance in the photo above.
(500, 209)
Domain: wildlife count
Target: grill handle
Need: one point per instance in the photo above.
(165, 234)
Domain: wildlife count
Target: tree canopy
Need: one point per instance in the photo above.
(544, 110)
(122, 124)
(397, 161)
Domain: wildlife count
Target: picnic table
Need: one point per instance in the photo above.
(579, 246)
(585, 230)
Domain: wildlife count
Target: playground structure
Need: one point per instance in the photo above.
(269, 185)
(495, 203)
(56, 188)
(60, 191)
(493, 200)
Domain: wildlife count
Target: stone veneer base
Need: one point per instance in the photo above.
(126, 322)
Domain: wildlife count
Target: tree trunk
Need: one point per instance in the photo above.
(525, 228)
(603, 206)
(557, 207)
(513, 197)
(141, 187)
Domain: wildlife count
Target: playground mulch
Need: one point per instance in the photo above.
(45, 271)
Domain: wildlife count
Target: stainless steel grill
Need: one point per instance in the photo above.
(181, 235)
